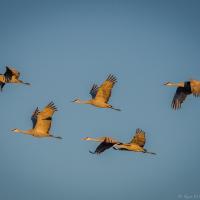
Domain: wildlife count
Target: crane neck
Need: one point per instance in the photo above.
(84, 101)
(179, 84)
(96, 139)
(29, 132)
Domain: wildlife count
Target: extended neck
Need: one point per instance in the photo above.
(97, 139)
(29, 132)
(180, 84)
(83, 101)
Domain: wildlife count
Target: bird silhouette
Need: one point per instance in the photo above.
(101, 95)
(41, 122)
(10, 76)
(183, 90)
(136, 144)
(106, 143)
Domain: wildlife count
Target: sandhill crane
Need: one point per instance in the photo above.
(136, 144)
(10, 76)
(41, 122)
(184, 89)
(101, 95)
(106, 143)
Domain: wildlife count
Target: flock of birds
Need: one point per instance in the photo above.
(42, 119)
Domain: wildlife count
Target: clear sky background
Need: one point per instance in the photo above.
(62, 48)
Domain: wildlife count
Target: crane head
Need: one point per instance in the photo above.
(76, 101)
(15, 130)
(167, 83)
(86, 138)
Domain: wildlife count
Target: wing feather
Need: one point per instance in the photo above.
(34, 116)
(11, 72)
(2, 85)
(106, 144)
(8, 74)
(104, 91)
(179, 97)
(139, 138)
(102, 147)
(94, 90)
(44, 118)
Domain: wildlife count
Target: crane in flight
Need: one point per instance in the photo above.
(105, 143)
(183, 90)
(136, 144)
(10, 76)
(41, 122)
(101, 95)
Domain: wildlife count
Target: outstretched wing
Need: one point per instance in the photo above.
(104, 91)
(102, 147)
(94, 90)
(195, 87)
(10, 72)
(139, 138)
(34, 116)
(44, 118)
(179, 97)
(106, 144)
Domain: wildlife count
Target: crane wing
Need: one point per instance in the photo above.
(104, 91)
(2, 81)
(2, 85)
(195, 87)
(10, 72)
(1, 77)
(106, 144)
(34, 116)
(179, 97)
(94, 90)
(102, 147)
(139, 138)
(44, 118)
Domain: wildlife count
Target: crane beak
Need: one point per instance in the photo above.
(84, 138)
(13, 130)
(75, 100)
(165, 83)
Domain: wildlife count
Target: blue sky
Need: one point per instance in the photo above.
(62, 48)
